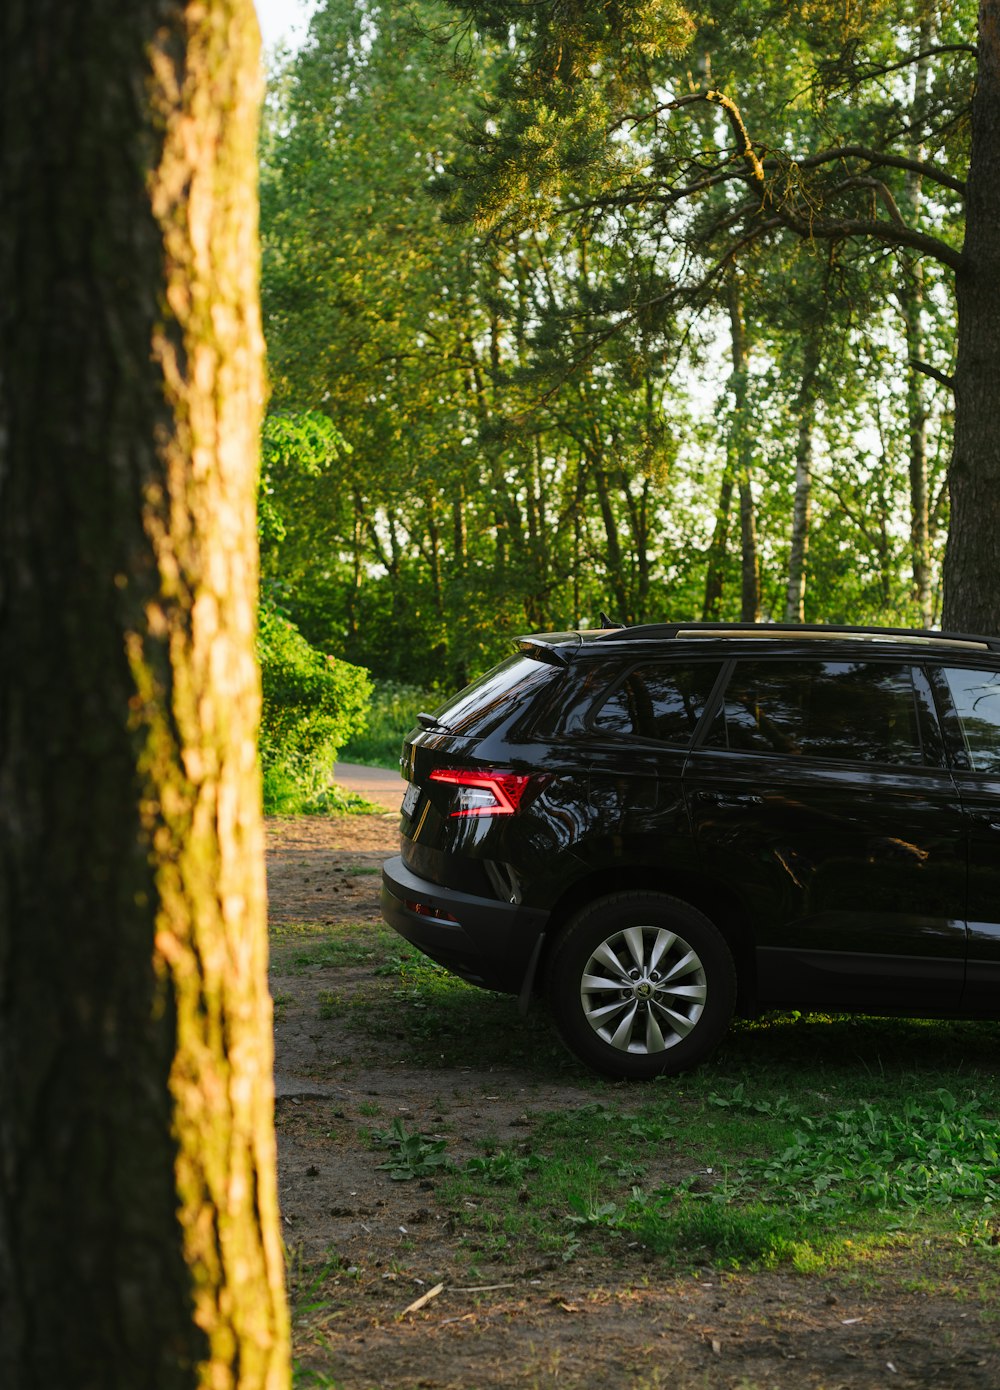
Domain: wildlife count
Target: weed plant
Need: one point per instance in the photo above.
(796, 1184)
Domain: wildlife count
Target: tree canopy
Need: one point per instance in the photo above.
(651, 309)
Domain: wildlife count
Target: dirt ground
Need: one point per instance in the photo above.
(364, 1248)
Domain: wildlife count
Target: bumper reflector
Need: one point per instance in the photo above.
(425, 910)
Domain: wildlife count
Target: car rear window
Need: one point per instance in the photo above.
(504, 691)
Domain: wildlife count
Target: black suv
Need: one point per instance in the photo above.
(660, 825)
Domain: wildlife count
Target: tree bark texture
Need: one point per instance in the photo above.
(911, 305)
(972, 558)
(139, 1235)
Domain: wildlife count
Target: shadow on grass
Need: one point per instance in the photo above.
(858, 1051)
(441, 1021)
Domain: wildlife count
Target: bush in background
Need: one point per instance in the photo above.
(392, 715)
(312, 704)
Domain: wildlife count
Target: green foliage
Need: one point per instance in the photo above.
(574, 377)
(311, 704)
(298, 453)
(938, 1152)
(845, 1182)
(503, 1167)
(391, 716)
(862, 1167)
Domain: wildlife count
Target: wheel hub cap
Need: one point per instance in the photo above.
(643, 989)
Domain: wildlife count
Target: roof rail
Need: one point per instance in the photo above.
(815, 631)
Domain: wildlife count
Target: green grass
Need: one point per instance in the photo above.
(711, 1180)
(807, 1140)
(392, 715)
(300, 947)
(442, 1021)
(285, 795)
(810, 1141)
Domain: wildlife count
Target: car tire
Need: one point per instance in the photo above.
(641, 985)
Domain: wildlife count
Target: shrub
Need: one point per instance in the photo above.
(312, 704)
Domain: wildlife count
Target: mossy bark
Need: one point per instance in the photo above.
(139, 1236)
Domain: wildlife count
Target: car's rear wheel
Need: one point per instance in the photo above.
(641, 985)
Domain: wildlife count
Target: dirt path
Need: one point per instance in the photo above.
(364, 1248)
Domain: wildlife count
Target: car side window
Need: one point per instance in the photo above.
(976, 696)
(861, 711)
(658, 701)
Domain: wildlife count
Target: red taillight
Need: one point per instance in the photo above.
(484, 793)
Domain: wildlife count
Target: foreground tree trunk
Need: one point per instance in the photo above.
(139, 1237)
(972, 558)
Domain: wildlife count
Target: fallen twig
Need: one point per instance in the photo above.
(417, 1304)
(483, 1288)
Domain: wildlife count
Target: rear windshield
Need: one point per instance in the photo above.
(494, 698)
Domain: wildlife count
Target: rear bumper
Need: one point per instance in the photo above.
(485, 941)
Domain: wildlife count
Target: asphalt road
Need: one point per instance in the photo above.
(376, 784)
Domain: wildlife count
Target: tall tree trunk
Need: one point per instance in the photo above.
(458, 529)
(615, 565)
(434, 546)
(139, 1235)
(743, 448)
(911, 305)
(357, 564)
(972, 558)
(642, 556)
(750, 567)
(576, 566)
(718, 548)
(805, 414)
(910, 295)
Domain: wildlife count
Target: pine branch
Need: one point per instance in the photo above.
(933, 373)
(877, 159)
(866, 74)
